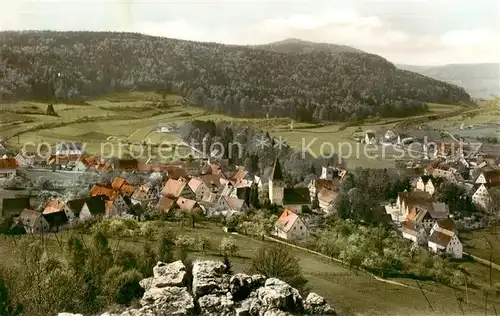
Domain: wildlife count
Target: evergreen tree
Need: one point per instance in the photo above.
(229, 267)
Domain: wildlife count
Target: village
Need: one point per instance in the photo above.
(212, 187)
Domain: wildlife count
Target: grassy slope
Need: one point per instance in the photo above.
(351, 292)
(131, 116)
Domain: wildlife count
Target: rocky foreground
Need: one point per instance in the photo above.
(213, 292)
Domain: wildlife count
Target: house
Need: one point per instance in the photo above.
(69, 149)
(177, 188)
(11, 206)
(406, 200)
(448, 175)
(120, 185)
(370, 138)
(30, 160)
(186, 205)
(481, 195)
(489, 177)
(116, 203)
(75, 207)
(332, 173)
(316, 185)
(165, 204)
(425, 184)
(426, 214)
(57, 214)
(421, 219)
(146, 194)
(33, 222)
(389, 135)
(414, 232)
(296, 199)
(290, 226)
(93, 206)
(276, 184)
(443, 239)
(199, 188)
(8, 167)
(231, 204)
(213, 182)
(326, 199)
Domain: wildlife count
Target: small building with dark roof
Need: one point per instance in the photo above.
(295, 199)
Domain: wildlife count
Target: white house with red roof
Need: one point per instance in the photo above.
(443, 239)
(290, 226)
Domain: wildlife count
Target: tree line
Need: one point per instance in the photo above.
(237, 80)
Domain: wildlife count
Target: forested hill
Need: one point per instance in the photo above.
(293, 45)
(237, 80)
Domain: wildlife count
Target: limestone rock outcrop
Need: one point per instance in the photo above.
(208, 291)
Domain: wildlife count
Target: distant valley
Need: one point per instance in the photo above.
(479, 80)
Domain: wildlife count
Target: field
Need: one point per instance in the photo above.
(354, 293)
(483, 243)
(130, 119)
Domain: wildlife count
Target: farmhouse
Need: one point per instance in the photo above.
(490, 177)
(481, 195)
(186, 205)
(33, 222)
(296, 199)
(406, 200)
(93, 206)
(165, 204)
(178, 188)
(199, 188)
(316, 185)
(290, 226)
(8, 167)
(58, 214)
(443, 239)
(145, 194)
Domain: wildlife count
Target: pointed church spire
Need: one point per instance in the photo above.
(277, 174)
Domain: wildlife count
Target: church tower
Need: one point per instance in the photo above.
(276, 184)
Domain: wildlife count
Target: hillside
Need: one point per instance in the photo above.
(479, 80)
(293, 45)
(236, 80)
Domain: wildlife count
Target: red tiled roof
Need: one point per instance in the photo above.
(53, 206)
(8, 163)
(165, 204)
(173, 187)
(107, 191)
(127, 189)
(186, 204)
(286, 220)
(117, 183)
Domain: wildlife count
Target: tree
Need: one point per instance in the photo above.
(228, 247)
(229, 266)
(278, 262)
(204, 244)
(50, 110)
(164, 250)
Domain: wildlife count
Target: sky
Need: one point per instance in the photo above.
(417, 32)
